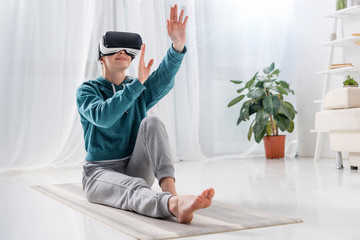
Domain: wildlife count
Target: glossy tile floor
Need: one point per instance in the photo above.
(326, 199)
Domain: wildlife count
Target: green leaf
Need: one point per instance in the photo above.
(247, 103)
(254, 108)
(291, 127)
(256, 93)
(269, 131)
(272, 66)
(268, 84)
(291, 109)
(286, 111)
(275, 72)
(259, 132)
(261, 78)
(260, 84)
(250, 133)
(282, 121)
(289, 90)
(236, 100)
(262, 118)
(271, 104)
(255, 75)
(240, 90)
(251, 129)
(244, 112)
(239, 120)
(284, 84)
(236, 81)
(288, 103)
(267, 70)
(250, 83)
(281, 90)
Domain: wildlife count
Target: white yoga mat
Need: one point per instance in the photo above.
(217, 218)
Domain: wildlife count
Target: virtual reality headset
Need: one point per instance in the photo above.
(113, 42)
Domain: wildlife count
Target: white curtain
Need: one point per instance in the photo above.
(49, 49)
(235, 40)
(43, 48)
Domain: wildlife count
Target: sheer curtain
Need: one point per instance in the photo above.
(235, 41)
(49, 49)
(42, 61)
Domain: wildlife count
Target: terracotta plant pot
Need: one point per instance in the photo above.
(274, 146)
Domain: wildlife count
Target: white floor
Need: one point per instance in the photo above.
(326, 199)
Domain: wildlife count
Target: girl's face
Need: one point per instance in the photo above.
(119, 61)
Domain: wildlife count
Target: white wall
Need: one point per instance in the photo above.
(311, 29)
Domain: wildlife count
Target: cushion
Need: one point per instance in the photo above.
(339, 98)
(347, 141)
(340, 119)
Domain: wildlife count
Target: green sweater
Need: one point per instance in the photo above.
(111, 120)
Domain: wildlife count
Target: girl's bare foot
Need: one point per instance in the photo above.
(184, 206)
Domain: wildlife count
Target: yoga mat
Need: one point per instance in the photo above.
(219, 217)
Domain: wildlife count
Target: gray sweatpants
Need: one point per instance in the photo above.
(125, 183)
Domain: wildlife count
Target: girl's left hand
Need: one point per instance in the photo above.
(177, 29)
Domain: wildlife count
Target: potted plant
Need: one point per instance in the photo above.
(350, 82)
(264, 97)
(340, 4)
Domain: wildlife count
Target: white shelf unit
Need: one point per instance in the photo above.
(319, 131)
(340, 71)
(341, 42)
(318, 101)
(346, 12)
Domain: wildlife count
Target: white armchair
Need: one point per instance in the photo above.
(341, 117)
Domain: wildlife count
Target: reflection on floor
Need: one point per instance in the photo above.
(325, 198)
